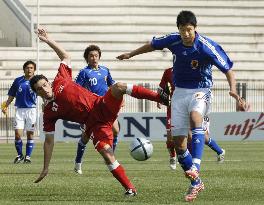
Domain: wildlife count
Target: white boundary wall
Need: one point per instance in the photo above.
(231, 126)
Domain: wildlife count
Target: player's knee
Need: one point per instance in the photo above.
(119, 88)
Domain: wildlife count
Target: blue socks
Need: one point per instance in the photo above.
(214, 146)
(29, 147)
(80, 151)
(185, 159)
(19, 145)
(198, 141)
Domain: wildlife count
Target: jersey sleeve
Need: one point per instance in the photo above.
(218, 57)
(64, 71)
(81, 78)
(158, 43)
(13, 89)
(110, 80)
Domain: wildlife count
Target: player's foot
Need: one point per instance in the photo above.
(192, 173)
(221, 157)
(18, 159)
(27, 160)
(173, 163)
(131, 192)
(78, 168)
(164, 97)
(193, 192)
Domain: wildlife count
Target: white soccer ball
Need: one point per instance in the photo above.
(141, 149)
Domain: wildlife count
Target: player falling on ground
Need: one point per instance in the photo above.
(69, 101)
(26, 114)
(97, 79)
(193, 58)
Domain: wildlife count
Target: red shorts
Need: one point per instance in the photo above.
(168, 119)
(100, 122)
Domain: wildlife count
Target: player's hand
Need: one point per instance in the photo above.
(124, 56)
(42, 34)
(41, 176)
(241, 102)
(4, 108)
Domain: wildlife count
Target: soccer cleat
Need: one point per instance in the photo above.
(131, 192)
(193, 192)
(78, 168)
(221, 157)
(27, 160)
(164, 97)
(192, 174)
(173, 163)
(18, 159)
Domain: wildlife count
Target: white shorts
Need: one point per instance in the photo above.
(25, 118)
(183, 102)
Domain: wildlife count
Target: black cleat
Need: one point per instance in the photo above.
(164, 96)
(18, 159)
(131, 192)
(27, 160)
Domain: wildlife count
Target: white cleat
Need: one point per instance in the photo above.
(221, 157)
(78, 168)
(173, 163)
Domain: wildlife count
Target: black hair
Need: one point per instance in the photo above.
(28, 63)
(186, 17)
(89, 49)
(35, 79)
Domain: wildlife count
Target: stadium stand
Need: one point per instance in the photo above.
(119, 26)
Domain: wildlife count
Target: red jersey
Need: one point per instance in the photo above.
(166, 80)
(71, 101)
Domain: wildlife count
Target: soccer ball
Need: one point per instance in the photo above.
(141, 149)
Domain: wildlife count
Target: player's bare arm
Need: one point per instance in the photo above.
(62, 54)
(242, 105)
(48, 149)
(143, 49)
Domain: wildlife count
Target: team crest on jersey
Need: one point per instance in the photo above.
(194, 64)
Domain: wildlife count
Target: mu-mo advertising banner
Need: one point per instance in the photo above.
(231, 126)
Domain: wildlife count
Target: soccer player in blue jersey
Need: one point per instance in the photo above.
(25, 116)
(97, 79)
(193, 58)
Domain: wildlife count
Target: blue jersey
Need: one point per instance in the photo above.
(25, 97)
(192, 66)
(97, 81)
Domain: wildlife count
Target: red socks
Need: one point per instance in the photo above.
(171, 148)
(120, 175)
(144, 93)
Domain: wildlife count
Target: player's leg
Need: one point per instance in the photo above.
(30, 125)
(80, 151)
(180, 128)
(139, 92)
(210, 142)
(103, 140)
(116, 129)
(169, 142)
(19, 128)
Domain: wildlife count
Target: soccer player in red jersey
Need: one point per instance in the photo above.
(66, 100)
(167, 84)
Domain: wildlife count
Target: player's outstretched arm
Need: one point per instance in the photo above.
(48, 149)
(143, 49)
(62, 54)
(242, 105)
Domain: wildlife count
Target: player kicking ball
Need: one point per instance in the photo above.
(66, 100)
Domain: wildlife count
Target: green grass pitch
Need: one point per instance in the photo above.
(239, 180)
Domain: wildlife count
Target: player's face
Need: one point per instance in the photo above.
(187, 33)
(29, 70)
(93, 59)
(44, 89)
